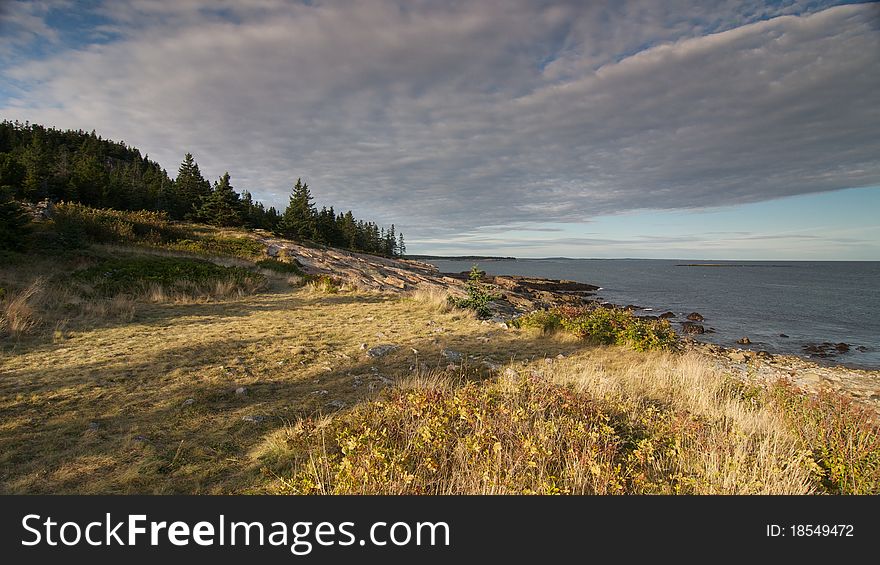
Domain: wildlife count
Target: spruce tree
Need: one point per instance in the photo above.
(300, 218)
(223, 206)
(191, 187)
(401, 247)
(14, 223)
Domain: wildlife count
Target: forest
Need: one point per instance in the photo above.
(39, 163)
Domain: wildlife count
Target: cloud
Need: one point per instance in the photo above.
(444, 117)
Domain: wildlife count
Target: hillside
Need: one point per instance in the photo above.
(151, 357)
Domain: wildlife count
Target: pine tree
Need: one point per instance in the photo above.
(401, 247)
(299, 219)
(14, 223)
(223, 206)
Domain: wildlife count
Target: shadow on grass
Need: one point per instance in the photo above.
(121, 427)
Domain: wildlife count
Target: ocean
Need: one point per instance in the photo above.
(810, 302)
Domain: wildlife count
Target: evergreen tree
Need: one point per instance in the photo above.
(35, 160)
(401, 246)
(299, 219)
(191, 188)
(223, 206)
(14, 223)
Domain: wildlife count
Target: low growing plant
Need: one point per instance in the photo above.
(478, 295)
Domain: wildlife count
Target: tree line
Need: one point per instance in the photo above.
(38, 162)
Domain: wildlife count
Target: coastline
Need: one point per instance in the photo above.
(521, 294)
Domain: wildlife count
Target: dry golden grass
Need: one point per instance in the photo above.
(164, 393)
(434, 296)
(99, 404)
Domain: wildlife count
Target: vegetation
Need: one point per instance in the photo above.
(219, 246)
(843, 438)
(604, 326)
(137, 274)
(38, 163)
(478, 295)
(293, 267)
(14, 223)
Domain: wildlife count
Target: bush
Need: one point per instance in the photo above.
(136, 275)
(544, 320)
(293, 268)
(77, 225)
(520, 435)
(478, 295)
(843, 438)
(243, 247)
(604, 326)
(14, 222)
(324, 284)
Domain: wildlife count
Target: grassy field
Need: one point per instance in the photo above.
(243, 380)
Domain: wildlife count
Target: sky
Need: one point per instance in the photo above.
(681, 129)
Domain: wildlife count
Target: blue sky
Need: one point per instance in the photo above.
(740, 130)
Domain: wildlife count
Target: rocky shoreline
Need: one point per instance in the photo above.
(520, 294)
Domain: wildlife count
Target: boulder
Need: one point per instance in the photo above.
(744, 340)
(695, 317)
(451, 355)
(381, 350)
(692, 328)
(667, 315)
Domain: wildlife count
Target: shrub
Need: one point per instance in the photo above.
(244, 247)
(14, 222)
(292, 268)
(844, 438)
(544, 320)
(478, 295)
(515, 435)
(138, 274)
(605, 326)
(76, 225)
(323, 284)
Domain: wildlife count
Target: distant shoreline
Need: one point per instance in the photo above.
(459, 258)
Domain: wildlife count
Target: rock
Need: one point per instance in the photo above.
(241, 391)
(238, 360)
(395, 282)
(692, 328)
(189, 401)
(490, 365)
(94, 426)
(695, 317)
(364, 347)
(842, 347)
(783, 335)
(561, 356)
(667, 315)
(320, 392)
(336, 404)
(381, 350)
(141, 439)
(451, 355)
(736, 356)
(254, 419)
(744, 340)
(510, 372)
(273, 250)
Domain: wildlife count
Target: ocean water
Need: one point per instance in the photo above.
(810, 302)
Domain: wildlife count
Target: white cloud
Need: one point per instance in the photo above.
(488, 113)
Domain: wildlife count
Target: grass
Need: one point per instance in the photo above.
(116, 384)
(605, 421)
(138, 274)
